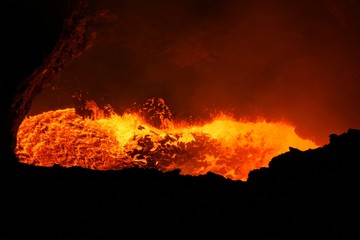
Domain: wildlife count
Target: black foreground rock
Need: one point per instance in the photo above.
(302, 194)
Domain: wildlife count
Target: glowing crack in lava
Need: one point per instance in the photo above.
(99, 141)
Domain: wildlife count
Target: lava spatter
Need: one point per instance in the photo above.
(147, 137)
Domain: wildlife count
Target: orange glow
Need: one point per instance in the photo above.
(226, 146)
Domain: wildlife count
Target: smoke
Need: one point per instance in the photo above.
(282, 60)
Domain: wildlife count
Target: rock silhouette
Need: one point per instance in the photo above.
(301, 194)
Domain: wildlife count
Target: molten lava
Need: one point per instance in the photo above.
(224, 146)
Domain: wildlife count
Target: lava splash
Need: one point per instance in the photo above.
(149, 138)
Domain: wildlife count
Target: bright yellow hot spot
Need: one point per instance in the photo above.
(225, 146)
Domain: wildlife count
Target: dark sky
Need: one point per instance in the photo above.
(282, 60)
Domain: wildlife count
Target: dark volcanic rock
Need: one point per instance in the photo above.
(302, 194)
(313, 192)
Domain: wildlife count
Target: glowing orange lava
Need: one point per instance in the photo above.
(224, 146)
